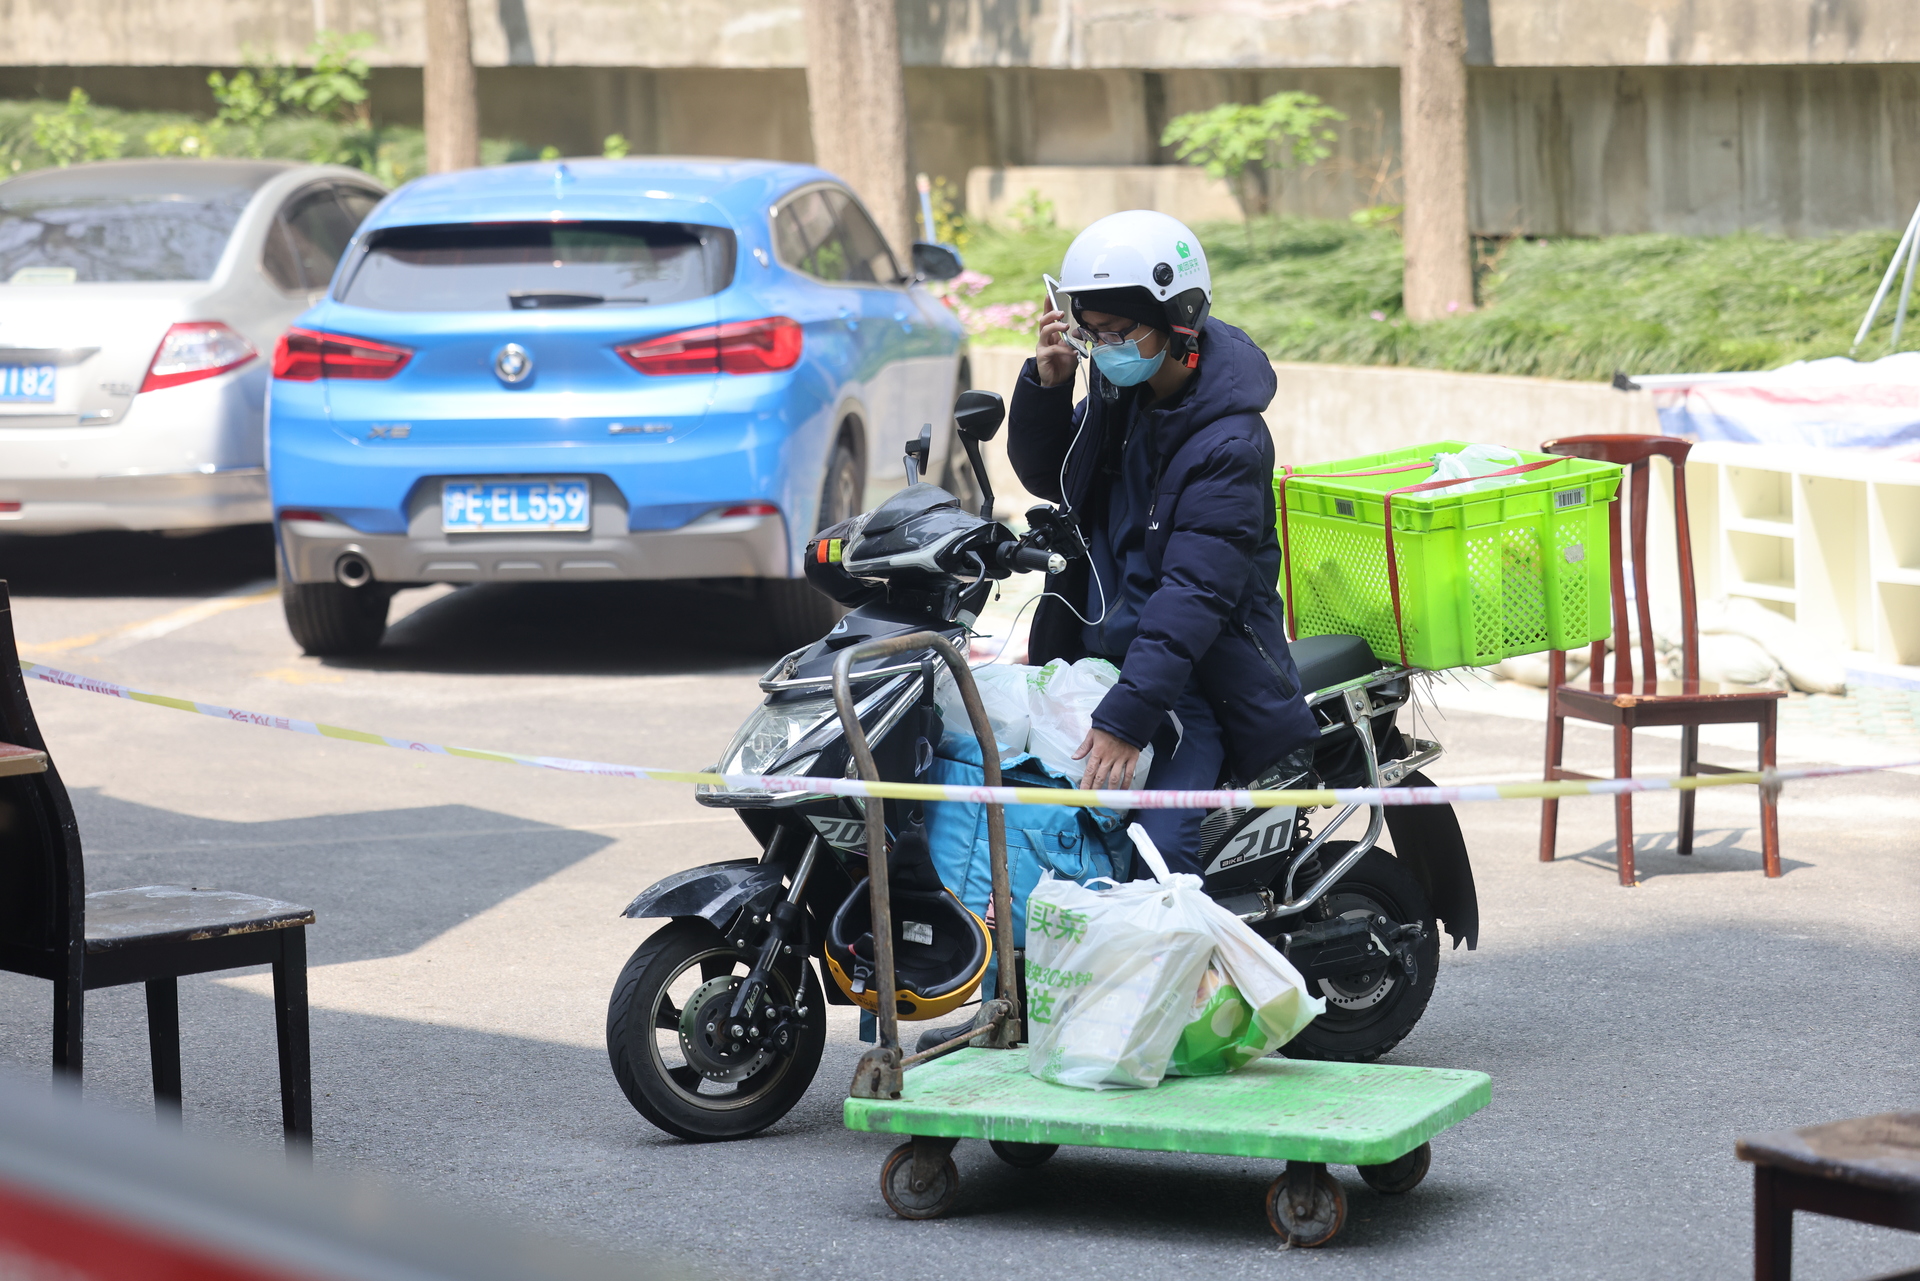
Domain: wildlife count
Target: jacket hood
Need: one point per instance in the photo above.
(1234, 377)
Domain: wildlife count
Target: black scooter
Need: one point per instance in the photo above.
(717, 1022)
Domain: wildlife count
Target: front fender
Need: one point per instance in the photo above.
(715, 893)
(1427, 839)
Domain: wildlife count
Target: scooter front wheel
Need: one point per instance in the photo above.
(672, 1058)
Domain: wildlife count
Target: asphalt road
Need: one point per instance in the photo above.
(469, 932)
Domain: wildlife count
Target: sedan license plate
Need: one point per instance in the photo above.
(515, 506)
(29, 383)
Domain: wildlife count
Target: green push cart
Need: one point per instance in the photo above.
(1309, 1115)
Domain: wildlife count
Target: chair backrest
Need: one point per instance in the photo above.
(1636, 453)
(42, 881)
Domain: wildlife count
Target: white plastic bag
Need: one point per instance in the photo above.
(1061, 699)
(1003, 692)
(1111, 976)
(1250, 1002)
(1475, 460)
(1124, 983)
(1278, 1001)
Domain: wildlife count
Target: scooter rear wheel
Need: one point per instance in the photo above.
(1369, 1014)
(688, 1089)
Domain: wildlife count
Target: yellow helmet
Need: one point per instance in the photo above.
(940, 949)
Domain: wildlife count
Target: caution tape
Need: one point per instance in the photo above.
(1136, 799)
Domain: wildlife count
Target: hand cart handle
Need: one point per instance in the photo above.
(878, 1074)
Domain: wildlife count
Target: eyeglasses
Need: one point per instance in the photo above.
(1101, 337)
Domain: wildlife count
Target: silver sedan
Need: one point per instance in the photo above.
(141, 302)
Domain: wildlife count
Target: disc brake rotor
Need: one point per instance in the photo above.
(1365, 990)
(706, 1034)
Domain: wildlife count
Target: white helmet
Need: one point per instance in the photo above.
(1144, 249)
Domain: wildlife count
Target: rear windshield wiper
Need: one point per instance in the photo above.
(528, 299)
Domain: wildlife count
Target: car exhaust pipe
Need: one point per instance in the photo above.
(352, 570)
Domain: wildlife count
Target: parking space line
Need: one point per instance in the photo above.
(114, 639)
(540, 829)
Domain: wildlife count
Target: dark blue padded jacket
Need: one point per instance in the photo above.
(1214, 617)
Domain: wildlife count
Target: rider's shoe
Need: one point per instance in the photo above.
(936, 1035)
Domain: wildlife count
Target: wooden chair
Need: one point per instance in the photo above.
(1629, 705)
(51, 928)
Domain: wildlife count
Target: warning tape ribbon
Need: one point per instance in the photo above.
(1117, 800)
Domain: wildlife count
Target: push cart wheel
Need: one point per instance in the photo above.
(929, 1201)
(1401, 1175)
(1325, 1209)
(1023, 1156)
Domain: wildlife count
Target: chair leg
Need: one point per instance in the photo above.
(290, 1029)
(1689, 766)
(1623, 803)
(1769, 797)
(163, 1044)
(1772, 1228)
(1556, 743)
(69, 1019)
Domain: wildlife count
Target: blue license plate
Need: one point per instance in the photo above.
(26, 382)
(515, 506)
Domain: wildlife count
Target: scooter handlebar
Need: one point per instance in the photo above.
(1035, 559)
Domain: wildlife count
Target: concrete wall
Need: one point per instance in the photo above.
(1586, 118)
(1561, 151)
(1087, 34)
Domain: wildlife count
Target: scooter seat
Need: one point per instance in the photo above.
(1325, 661)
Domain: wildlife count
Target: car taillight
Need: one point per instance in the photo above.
(303, 355)
(196, 349)
(745, 347)
(302, 514)
(750, 509)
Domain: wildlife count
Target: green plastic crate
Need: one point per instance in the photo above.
(1483, 576)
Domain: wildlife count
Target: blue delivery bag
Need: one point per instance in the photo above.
(1070, 841)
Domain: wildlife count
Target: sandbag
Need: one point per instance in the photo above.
(1808, 664)
(1730, 658)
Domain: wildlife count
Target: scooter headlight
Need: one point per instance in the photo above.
(771, 732)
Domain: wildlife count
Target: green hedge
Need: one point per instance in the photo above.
(391, 153)
(1330, 291)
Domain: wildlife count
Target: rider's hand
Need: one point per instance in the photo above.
(1110, 761)
(1054, 360)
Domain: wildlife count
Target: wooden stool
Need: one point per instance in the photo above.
(1866, 1169)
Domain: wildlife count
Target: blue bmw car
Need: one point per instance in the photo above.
(600, 369)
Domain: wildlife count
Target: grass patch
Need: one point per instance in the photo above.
(1330, 292)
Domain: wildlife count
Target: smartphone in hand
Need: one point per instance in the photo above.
(1057, 301)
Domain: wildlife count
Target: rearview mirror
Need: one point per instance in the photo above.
(978, 414)
(936, 262)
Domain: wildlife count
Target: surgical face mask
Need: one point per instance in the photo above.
(1124, 366)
